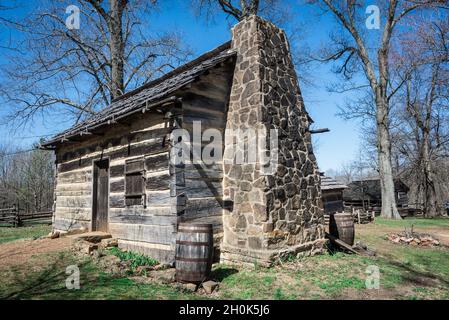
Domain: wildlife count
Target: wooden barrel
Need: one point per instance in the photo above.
(194, 252)
(341, 226)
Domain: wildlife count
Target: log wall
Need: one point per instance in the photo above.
(148, 228)
(200, 184)
(191, 192)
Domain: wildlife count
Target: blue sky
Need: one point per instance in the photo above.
(333, 149)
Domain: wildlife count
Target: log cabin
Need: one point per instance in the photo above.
(366, 194)
(115, 170)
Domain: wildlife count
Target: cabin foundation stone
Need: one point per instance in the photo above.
(277, 214)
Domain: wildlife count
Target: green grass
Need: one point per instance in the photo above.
(415, 267)
(49, 282)
(321, 277)
(327, 274)
(422, 262)
(8, 234)
(333, 276)
(417, 222)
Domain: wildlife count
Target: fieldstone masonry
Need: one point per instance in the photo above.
(276, 215)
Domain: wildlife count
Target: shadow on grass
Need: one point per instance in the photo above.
(28, 284)
(410, 273)
(49, 283)
(333, 249)
(222, 273)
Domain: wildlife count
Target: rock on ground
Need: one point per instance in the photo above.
(84, 247)
(189, 286)
(94, 237)
(210, 286)
(109, 243)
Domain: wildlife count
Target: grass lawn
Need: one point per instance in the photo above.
(30, 232)
(44, 277)
(405, 273)
(416, 222)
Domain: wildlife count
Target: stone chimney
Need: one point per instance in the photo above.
(269, 216)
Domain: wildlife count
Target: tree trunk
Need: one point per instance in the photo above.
(249, 8)
(253, 7)
(431, 207)
(117, 47)
(389, 209)
(430, 196)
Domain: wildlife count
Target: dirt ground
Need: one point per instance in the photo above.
(18, 252)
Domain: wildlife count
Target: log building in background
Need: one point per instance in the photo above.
(366, 194)
(332, 195)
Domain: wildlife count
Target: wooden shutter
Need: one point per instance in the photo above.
(135, 182)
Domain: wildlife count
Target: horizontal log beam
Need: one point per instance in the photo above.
(319, 131)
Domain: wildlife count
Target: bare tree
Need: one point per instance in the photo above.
(26, 179)
(5, 22)
(79, 71)
(277, 11)
(238, 9)
(423, 105)
(352, 46)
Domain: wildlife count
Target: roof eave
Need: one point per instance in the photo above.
(52, 144)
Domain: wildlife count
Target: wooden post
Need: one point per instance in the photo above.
(17, 221)
(358, 215)
(13, 213)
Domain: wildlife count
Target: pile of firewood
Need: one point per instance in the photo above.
(413, 238)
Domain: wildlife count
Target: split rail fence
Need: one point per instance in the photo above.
(15, 218)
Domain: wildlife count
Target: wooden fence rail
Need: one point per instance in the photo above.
(13, 217)
(360, 216)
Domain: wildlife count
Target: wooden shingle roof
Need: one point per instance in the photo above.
(150, 93)
(327, 183)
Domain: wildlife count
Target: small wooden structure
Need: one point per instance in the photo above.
(366, 195)
(332, 196)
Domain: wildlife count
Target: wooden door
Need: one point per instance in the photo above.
(100, 196)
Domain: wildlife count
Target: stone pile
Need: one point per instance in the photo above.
(168, 276)
(413, 238)
(207, 287)
(88, 243)
(91, 244)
